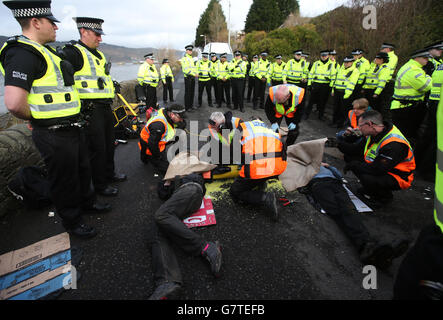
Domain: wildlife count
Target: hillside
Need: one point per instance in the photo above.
(115, 54)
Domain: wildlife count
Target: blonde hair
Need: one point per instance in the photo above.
(361, 104)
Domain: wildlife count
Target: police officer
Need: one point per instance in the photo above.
(157, 133)
(261, 78)
(251, 79)
(392, 64)
(213, 73)
(237, 71)
(285, 101)
(223, 81)
(294, 72)
(39, 88)
(168, 79)
(149, 78)
(319, 81)
(363, 65)
(408, 107)
(204, 78)
(376, 79)
(276, 71)
(335, 64)
(244, 56)
(263, 158)
(189, 72)
(343, 87)
(96, 89)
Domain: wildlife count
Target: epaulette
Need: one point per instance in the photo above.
(12, 39)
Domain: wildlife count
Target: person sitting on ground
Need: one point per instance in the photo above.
(326, 189)
(389, 161)
(183, 197)
(159, 131)
(263, 156)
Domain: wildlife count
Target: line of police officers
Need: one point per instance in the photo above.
(66, 95)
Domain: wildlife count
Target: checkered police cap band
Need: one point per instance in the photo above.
(31, 12)
(89, 25)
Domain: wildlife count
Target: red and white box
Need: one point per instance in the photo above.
(203, 217)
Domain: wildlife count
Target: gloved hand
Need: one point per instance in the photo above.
(274, 127)
(292, 126)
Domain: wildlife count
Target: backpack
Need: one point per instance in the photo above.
(31, 186)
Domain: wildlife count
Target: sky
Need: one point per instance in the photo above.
(147, 23)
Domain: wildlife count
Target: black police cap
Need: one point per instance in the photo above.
(93, 24)
(31, 9)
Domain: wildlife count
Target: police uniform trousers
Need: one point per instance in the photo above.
(213, 84)
(202, 85)
(151, 96)
(424, 261)
(169, 229)
(101, 144)
(341, 108)
(334, 200)
(251, 85)
(65, 154)
(237, 92)
(409, 119)
(245, 85)
(385, 107)
(319, 96)
(381, 103)
(189, 91)
(259, 93)
(224, 89)
(167, 88)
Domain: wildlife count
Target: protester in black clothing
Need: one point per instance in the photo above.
(183, 197)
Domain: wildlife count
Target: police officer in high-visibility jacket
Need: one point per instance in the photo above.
(435, 50)
(389, 48)
(223, 81)
(213, 73)
(389, 161)
(363, 65)
(377, 77)
(204, 79)
(408, 107)
(284, 101)
(157, 133)
(96, 89)
(39, 87)
(295, 70)
(261, 78)
(149, 78)
(189, 72)
(237, 74)
(168, 79)
(276, 71)
(263, 158)
(420, 275)
(343, 87)
(251, 79)
(319, 81)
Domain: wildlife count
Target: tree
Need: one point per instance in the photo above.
(212, 24)
(287, 7)
(263, 15)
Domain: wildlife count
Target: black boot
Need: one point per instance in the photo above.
(211, 251)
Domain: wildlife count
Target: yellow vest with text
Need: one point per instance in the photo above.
(87, 79)
(166, 71)
(204, 70)
(49, 97)
(437, 83)
(295, 71)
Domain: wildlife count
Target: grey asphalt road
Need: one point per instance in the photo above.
(302, 256)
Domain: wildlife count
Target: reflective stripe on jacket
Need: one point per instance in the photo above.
(167, 136)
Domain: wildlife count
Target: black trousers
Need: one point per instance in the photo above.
(409, 119)
(334, 199)
(319, 96)
(424, 261)
(213, 84)
(151, 96)
(202, 85)
(237, 85)
(426, 150)
(251, 85)
(292, 134)
(250, 191)
(167, 88)
(245, 85)
(189, 91)
(169, 229)
(65, 154)
(101, 144)
(341, 107)
(224, 88)
(380, 187)
(259, 93)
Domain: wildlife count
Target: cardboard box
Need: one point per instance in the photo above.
(40, 268)
(203, 217)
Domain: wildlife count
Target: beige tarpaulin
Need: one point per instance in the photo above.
(186, 163)
(304, 160)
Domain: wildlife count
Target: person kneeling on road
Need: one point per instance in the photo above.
(184, 197)
(284, 101)
(389, 161)
(157, 133)
(326, 189)
(263, 158)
